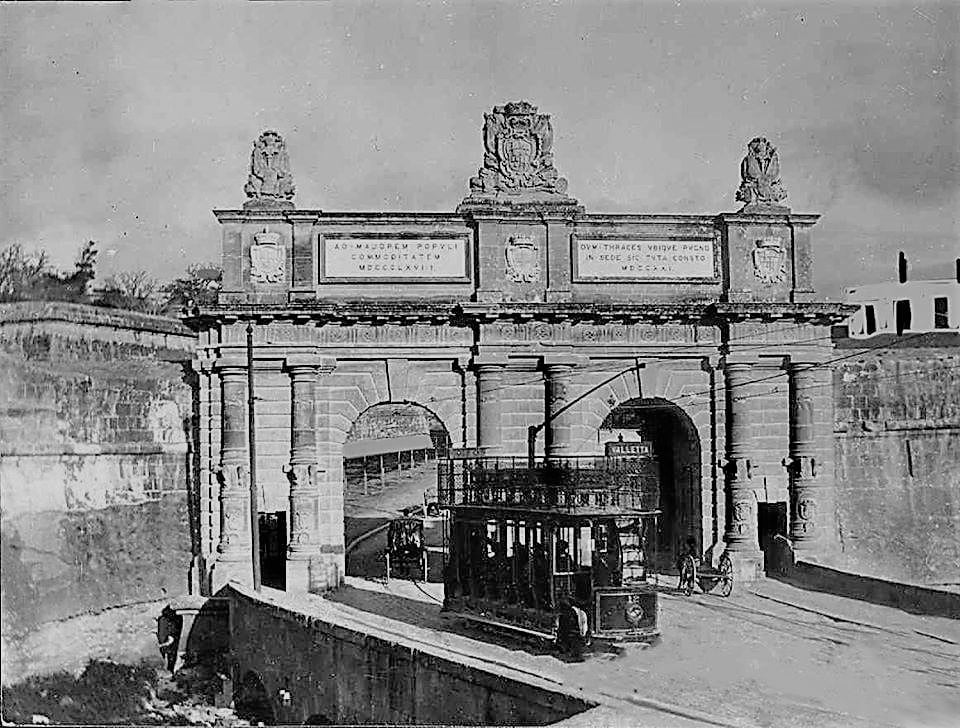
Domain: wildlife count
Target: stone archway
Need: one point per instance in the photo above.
(388, 467)
(676, 443)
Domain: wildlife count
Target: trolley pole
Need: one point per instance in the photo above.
(252, 436)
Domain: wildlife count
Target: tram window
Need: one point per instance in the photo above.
(492, 539)
(602, 536)
(566, 542)
(586, 547)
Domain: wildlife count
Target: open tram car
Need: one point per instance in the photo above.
(528, 538)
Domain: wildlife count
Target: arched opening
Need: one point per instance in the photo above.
(251, 701)
(675, 443)
(389, 469)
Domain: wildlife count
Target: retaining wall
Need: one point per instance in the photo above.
(95, 461)
(897, 454)
(350, 676)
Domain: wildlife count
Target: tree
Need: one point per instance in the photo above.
(199, 287)
(26, 277)
(137, 291)
(20, 273)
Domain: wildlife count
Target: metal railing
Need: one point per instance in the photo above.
(556, 483)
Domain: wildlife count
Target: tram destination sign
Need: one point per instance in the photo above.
(374, 258)
(639, 259)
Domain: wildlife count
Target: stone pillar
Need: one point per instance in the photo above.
(489, 409)
(304, 545)
(810, 520)
(560, 416)
(234, 559)
(328, 569)
(741, 512)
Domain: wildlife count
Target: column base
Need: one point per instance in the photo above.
(223, 572)
(314, 574)
(747, 566)
(302, 574)
(326, 572)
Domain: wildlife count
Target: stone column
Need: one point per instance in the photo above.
(304, 545)
(329, 567)
(741, 527)
(489, 410)
(809, 482)
(234, 560)
(558, 430)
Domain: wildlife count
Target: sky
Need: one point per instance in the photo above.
(127, 123)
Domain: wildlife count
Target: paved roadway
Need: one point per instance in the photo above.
(364, 514)
(769, 655)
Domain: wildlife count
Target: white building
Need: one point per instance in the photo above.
(914, 306)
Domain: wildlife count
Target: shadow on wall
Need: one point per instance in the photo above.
(783, 565)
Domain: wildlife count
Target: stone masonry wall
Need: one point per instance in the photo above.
(897, 440)
(95, 425)
(372, 676)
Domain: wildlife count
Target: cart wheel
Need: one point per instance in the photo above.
(688, 575)
(725, 568)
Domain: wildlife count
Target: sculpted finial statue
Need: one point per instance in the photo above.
(760, 175)
(518, 155)
(270, 183)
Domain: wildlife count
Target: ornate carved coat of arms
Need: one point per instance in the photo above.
(267, 261)
(770, 261)
(518, 154)
(523, 260)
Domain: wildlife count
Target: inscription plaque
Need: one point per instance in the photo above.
(603, 259)
(396, 258)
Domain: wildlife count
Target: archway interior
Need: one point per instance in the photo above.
(676, 445)
(389, 467)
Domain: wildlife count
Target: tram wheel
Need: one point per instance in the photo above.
(688, 575)
(725, 567)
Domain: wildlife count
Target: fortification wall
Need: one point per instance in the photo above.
(897, 443)
(95, 431)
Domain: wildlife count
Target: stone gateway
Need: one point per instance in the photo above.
(518, 313)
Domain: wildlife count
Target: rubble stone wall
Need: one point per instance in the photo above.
(897, 444)
(95, 432)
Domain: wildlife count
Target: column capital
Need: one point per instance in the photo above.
(807, 361)
(230, 361)
(488, 361)
(310, 360)
(563, 360)
(738, 360)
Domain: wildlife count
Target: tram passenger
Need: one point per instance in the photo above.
(541, 577)
(522, 564)
(476, 563)
(496, 565)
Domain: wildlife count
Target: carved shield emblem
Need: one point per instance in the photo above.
(517, 152)
(770, 261)
(266, 258)
(634, 613)
(523, 260)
